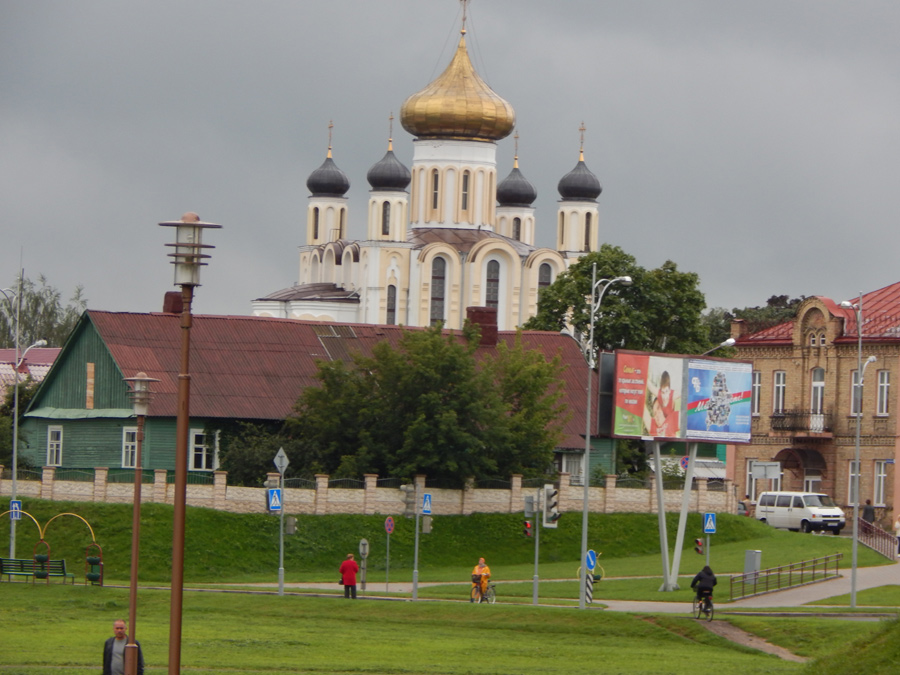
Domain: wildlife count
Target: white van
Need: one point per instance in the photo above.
(806, 511)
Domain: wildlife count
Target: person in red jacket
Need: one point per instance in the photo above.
(349, 569)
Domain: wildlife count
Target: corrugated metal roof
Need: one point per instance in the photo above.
(246, 367)
(36, 364)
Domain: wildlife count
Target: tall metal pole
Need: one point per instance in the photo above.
(539, 508)
(585, 506)
(15, 447)
(182, 431)
(859, 390)
(281, 541)
(131, 649)
(415, 590)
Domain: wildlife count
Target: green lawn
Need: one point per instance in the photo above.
(49, 627)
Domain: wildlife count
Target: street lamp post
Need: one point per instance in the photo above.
(19, 360)
(860, 372)
(140, 397)
(598, 289)
(188, 259)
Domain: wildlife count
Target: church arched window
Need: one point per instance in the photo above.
(391, 318)
(342, 223)
(438, 289)
(517, 229)
(435, 185)
(562, 230)
(464, 202)
(545, 277)
(386, 218)
(587, 231)
(316, 222)
(492, 285)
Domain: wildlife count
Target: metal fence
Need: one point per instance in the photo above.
(300, 483)
(785, 576)
(347, 483)
(193, 477)
(493, 484)
(877, 539)
(127, 476)
(74, 475)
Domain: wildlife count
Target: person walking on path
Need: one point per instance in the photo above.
(349, 569)
(868, 515)
(114, 651)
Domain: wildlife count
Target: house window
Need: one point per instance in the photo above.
(391, 318)
(517, 229)
(812, 480)
(853, 479)
(813, 339)
(778, 389)
(822, 339)
(855, 393)
(386, 218)
(587, 231)
(435, 184)
(756, 387)
(464, 202)
(884, 390)
(438, 285)
(492, 287)
(129, 447)
(817, 395)
(751, 482)
(545, 277)
(54, 446)
(316, 223)
(880, 482)
(573, 465)
(203, 457)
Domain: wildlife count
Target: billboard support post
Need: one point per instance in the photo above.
(661, 512)
(682, 519)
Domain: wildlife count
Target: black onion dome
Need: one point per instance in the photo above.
(579, 185)
(515, 190)
(328, 180)
(389, 174)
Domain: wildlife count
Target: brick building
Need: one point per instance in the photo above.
(805, 405)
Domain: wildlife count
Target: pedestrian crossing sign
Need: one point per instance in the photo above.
(274, 499)
(709, 523)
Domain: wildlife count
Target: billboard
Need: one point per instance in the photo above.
(681, 398)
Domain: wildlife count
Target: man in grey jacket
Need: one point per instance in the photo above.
(114, 652)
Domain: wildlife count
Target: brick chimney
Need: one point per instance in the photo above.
(172, 302)
(486, 317)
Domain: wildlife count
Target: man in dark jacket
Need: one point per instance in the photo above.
(704, 582)
(114, 652)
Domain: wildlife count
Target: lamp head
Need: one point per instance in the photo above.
(728, 343)
(625, 281)
(846, 304)
(871, 359)
(40, 343)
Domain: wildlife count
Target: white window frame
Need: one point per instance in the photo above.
(853, 470)
(880, 484)
(54, 445)
(779, 389)
(129, 447)
(208, 454)
(884, 393)
(855, 394)
(817, 392)
(574, 464)
(755, 389)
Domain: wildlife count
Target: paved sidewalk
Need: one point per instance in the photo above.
(866, 577)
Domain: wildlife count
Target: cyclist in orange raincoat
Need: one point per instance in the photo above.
(482, 570)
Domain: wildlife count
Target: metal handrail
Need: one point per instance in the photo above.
(785, 576)
(877, 539)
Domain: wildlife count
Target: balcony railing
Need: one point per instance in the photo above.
(802, 421)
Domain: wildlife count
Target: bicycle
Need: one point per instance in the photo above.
(475, 595)
(703, 606)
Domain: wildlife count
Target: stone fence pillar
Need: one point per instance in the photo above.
(220, 489)
(370, 500)
(516, 503)
(160, 486)
(468, 496)
(321, 494)
(47, 476)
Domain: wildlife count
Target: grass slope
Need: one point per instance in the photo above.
(244, 547)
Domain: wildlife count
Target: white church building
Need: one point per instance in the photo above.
(443, 235)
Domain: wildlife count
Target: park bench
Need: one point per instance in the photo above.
(27, 567)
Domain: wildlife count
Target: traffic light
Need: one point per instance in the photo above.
(426, 524)
(698, 545)
(529, 506)
(551, 506)
(526, 524)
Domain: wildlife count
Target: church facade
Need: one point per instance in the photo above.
(443, 235)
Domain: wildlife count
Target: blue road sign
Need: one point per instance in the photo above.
(709, 523)
(15, 509)
(591, 559)
(388, 524)
(684, 462)
(426, 504)
(275, 499)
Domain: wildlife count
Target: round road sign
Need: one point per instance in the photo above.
(388, 524)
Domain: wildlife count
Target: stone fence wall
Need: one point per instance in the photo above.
(371, 499)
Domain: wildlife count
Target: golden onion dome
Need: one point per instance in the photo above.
(458, 105)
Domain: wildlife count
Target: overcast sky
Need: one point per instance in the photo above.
(755, 143)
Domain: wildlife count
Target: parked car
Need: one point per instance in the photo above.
(806, 511)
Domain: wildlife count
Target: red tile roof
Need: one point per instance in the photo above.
(880, 312)
(255, 368)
